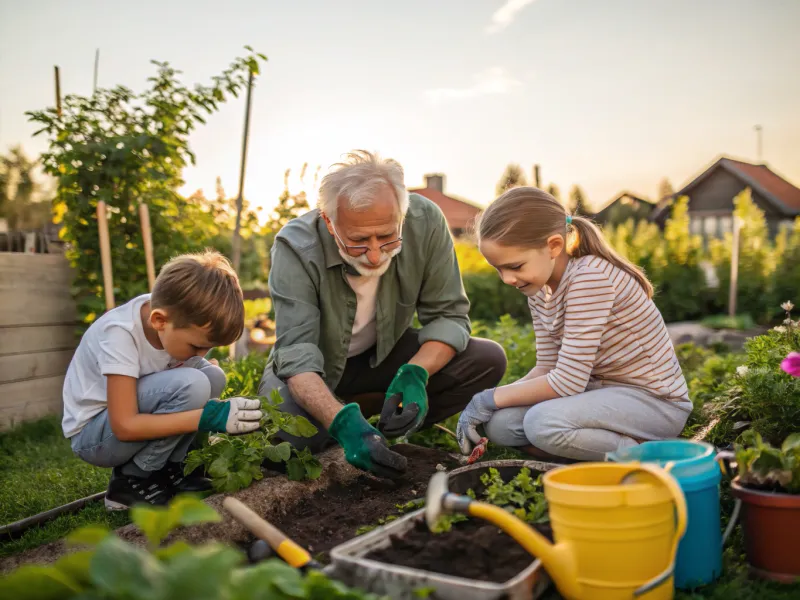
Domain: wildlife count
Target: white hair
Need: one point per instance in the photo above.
(357, 179)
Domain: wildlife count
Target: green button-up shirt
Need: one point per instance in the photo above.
(315, 306)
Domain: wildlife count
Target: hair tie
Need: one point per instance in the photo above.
(569, 220)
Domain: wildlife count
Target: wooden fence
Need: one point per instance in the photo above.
(37, 334)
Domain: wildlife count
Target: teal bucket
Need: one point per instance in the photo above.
(699, 559)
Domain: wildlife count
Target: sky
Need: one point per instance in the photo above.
(611, 95)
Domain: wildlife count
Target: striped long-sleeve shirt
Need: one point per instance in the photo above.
(600, 324)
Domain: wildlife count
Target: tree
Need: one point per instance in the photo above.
(289, 207)
(512, 177)
(665, 189)
(127, 149)
(24, 201)
(787, 273)
(577, 201)
(756, 261)
(553, 190)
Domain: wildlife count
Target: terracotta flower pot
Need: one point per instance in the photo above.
(771, 525)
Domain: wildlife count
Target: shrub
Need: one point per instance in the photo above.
(760, 393)
(739, 322)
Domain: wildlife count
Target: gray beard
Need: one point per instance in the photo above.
(358, 264)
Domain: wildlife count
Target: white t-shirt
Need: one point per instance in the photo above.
(365, 333)
(113, 345)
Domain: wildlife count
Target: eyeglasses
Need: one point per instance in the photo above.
(355, 251)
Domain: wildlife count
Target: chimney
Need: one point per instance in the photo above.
(435, 181)
(536, 177)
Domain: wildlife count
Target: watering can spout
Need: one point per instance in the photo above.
(558, 559)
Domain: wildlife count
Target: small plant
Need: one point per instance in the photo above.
(522, 496)
(234, 462)
(112, 569)
(739, 322)
(763, 467)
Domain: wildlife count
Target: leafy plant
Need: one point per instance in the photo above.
(128, 149)
(234, 462)
(112, 569)
(522, 495)
(763, 467)
(739, 322)
(760, 395)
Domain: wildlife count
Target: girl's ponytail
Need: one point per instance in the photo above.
(527, 217)
(587, 239)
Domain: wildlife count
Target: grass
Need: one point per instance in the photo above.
(38, 471)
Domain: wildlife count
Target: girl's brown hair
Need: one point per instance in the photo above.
(527, 217)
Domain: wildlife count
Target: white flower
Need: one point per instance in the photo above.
(788, 322)
(779, 329)
(743, 370)
(787, 306)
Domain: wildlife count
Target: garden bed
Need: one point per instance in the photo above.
(343, 499)
(334, 515)
(469, 550)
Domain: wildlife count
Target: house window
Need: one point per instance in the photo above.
(695, 225)
(786, 224)
(725, 225)
(710, 226)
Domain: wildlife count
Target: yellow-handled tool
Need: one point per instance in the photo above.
(294, 554)
(558, 559)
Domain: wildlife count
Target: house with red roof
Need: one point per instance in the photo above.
(711, 195)
(460, 213)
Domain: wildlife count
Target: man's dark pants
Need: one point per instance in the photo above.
(480, 366)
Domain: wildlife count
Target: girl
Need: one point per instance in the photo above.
(607, 376)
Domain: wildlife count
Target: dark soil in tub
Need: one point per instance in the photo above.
(472, 549)
(332, 516)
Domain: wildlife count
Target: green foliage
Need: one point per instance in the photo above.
(24, 201)
(289, 207)
(234, 461)
(756, 260)
(522, 495)
(577, 202)
(739, 322)
(489, 298)
(512, 177)
(787, 272)
(116, 570)
(763, 467)
(127, 149)
(519, 342)
(760, 393)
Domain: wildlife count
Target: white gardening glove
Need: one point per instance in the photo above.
(479, 410)
(234, 416)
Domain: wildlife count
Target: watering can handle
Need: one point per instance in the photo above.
(680, 528)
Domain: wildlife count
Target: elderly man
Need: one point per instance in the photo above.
(346, 280)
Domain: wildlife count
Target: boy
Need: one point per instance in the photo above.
(138, 388)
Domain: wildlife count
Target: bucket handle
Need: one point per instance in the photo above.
(680, 505)
(727, 464)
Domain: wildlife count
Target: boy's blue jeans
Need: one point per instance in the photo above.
(178, 390)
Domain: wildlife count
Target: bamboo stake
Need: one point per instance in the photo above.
(147, 240)
(105, 254)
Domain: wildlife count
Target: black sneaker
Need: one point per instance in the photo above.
(125, 491)
(194, 482)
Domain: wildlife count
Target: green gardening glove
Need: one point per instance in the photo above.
(406, 404)
(364, 447)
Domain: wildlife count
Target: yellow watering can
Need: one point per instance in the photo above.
(614, 524)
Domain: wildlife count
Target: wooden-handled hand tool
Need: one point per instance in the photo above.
(294, 554)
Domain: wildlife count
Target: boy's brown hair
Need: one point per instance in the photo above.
(201, 289)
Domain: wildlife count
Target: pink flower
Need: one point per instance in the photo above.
(791, 364)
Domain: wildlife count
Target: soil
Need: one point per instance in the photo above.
(320, 513)
(471, 549)
(332, 516)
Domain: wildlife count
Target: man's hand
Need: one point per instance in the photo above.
(364, 447)
(479, 410)
(406, 404)
(235, 416)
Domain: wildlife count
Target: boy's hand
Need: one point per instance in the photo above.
(234, 416)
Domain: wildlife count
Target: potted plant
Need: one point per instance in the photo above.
(768, 485)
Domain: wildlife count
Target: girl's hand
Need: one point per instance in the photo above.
(479, 410)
